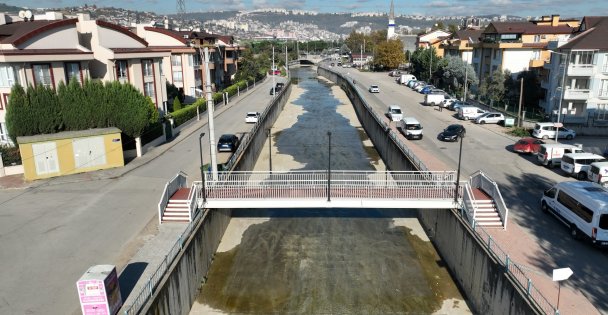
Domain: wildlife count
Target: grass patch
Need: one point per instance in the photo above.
(520, 132)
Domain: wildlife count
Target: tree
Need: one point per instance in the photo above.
(177, 105)
(453, 28)
(493, 86)
(389, 54)
(422, 60)
(532, 91)
(453, 72)
(17, 114)
(45, 110)
(75, 109)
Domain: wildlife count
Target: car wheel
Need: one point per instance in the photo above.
(482, 122)
(581, 176)
(569, 137)
(545, 207)
(545, 137)
(550, 164)
(574, 232)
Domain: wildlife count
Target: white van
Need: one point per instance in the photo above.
(550, 154)
(406, 77)
(577, 164)
(411, 128)
(394, 113)
(582, 206)
(598, 173)
(470, 112)
(434, 99)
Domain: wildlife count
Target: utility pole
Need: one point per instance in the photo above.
(274, 91)
(286, 61)
(431, 64)
(466, 67)
(521, 94)
(361, 57)
(210, 112)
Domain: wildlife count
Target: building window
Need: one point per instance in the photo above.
(177, 76)
(583, 58)
(72, 71)
(605, 67)
(602, 111)
(176, 60)
(190, 61)
(149, 89)
(147, 68)
(535, 54)
(197, 60)
(581, 84)
(160, 67)
(4, 138)
(603, 92)
(7, 76)
(122, 70)
(43, 74)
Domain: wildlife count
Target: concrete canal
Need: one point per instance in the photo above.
(325, 261)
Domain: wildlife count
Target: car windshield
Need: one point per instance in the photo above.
(374, 86)
(453, 127)
(395, 110)
(252, 114)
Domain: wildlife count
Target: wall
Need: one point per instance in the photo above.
(481, 278)
(177, 292)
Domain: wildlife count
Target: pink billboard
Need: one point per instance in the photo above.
(99, 291)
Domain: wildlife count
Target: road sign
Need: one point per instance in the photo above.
(562, 274)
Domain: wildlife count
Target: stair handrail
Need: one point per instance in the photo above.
(177, 182)
(491, 188)
(192, 198)
(469, 200)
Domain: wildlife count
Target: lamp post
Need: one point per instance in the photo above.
(274, 91)
(560, 275)
(431, 64)
(328, 166)
(559, 106)
(269, 149)
(200, 148)
(460, 138)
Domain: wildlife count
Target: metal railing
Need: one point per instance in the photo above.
(480, 180)
(341, 184)
(150, 287)
(171, 187)
(514, 270)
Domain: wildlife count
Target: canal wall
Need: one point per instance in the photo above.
(482, 278)
(180, 287)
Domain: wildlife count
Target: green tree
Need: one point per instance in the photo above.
(249, 68)
(95, 92)
(453, 72)
(177, 105)
(389, 54)
(453, 28)
(493, 86)
(532, 91)
(75, 109)
(132, 113)
(422, 60)
(17, 114)
(45, 110)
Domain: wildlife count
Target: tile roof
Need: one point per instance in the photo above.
(139, 50)
(67, 51)
(526, 28)
(474, 34)
(179, 35)
(594, 37)
(19, 32)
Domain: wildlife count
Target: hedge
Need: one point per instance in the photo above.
(10, 155)
(183, 115)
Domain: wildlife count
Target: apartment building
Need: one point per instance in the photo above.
(122, 55)
(432, 39)
(224, 56)
(581, 63)
(45, 50)
(518, 46)
(460, 44)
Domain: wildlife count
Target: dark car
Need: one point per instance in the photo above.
(228, 142)
(279, 86)
(452, 133)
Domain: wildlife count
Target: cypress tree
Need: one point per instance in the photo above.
(44, 109)
(177, 105)
(17, 117)
(74, 109)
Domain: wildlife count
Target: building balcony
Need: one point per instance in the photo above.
(603, 95)
(580, 70)
(536, 63)
(577, 95)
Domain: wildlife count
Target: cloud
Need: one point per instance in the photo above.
(438, 4)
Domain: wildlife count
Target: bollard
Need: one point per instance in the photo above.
(529, 287)
(238, 91)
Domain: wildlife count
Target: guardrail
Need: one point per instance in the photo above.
(148, 290)
(480, 180)
(171, 187)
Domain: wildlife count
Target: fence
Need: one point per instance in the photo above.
(511, 268)
(148, 290)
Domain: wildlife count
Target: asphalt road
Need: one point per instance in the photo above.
(520, 178)
(51, 234)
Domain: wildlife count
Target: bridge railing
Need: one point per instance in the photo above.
(341, 184)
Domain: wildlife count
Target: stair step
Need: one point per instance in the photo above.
(490, 223)
(176, 207)
(487, 219)
(178, 202)
(176, 214)
(486, 214)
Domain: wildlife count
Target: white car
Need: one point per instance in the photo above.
(490, 118)
(546, 130)
(374, 89)
(252, 117)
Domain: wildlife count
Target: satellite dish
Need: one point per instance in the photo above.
(22, 14)
(28, 14)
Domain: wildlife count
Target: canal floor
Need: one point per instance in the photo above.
(325, 261)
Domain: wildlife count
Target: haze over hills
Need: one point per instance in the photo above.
(272, 23)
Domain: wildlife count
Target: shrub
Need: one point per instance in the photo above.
(183, 115)
(520, 132)
(10, 155)
(177, 105)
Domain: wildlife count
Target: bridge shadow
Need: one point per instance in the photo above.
(325, 213)
(129, 276)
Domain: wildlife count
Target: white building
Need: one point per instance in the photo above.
(584, 101)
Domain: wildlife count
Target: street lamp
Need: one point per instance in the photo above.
(269, 148)
(559, 107)
(461, 139)
(200, 148)
(328, 165)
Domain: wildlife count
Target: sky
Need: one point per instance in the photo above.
(523, 8)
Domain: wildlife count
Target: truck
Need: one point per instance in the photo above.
(404, 78)
(434, 99)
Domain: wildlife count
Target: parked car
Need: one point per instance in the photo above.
(228, 142)
(448, 100)
(470, 112)
(527, 145)
(420, 87)
(547, 130)
(434, 99)
(550, 154)
(427, 89)
(417, 84)
(452, 133)
(578, 164)
(374, 89)
(598, 173)
(252, 117)
(490, 118)
(411, 83)
(457, 104)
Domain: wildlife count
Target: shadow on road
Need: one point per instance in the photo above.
(129, 277)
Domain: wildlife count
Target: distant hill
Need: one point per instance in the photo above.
(9, 8)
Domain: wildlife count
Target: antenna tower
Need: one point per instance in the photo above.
(181, 9)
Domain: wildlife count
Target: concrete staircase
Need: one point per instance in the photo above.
(177, 208)
(486, 214)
